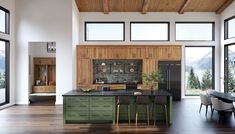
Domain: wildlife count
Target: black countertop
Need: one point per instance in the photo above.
(118, 92)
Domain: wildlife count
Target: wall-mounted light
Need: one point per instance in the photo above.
(51, 47)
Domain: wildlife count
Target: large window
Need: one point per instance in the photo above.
(150, 31)
(229, 28)
(229, 71)
(104, 31)
(4, 71)
(199, 69)
(4, 20)
(194, 31)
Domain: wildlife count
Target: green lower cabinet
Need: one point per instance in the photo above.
(103, 109)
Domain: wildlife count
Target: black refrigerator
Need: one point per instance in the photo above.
(171, 77)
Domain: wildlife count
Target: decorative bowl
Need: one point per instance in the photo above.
(87, 89)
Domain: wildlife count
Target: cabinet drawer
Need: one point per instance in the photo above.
(101, 106)
(75, 115)
(76, 99)
(101, 115)
(77, 106)
(102, 99)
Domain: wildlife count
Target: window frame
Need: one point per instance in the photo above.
(151, 22)
(104, 22)
(7, 20)
(197, 22)
(226, 27)
(213, 68)
(7, 74)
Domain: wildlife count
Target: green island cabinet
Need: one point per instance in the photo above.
(90, 109)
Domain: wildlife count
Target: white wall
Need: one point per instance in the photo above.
(10, 5)
(171, 17)
(36, 49)
(75, 27)
(41, 21)
(227, 13)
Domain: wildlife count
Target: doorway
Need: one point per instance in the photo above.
(42, 73)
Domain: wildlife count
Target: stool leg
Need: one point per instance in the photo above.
(136, 115)
(147, 108)
(154, 115)
(118, 108)
(166, 115)
(129, 120)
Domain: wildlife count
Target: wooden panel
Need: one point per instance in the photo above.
(151, 53)
(99, 53)
(51, 75)
(116, 53)
(175, 53)
(135, 53)
(153, 6)
(163, 53)
(149, 65)
(84, 71)
(112, 86)
(84, 52)
(44, 89)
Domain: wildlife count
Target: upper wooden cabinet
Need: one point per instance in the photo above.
(135, 53)
(84, 71)
(84, 52)
(116, 53)
(151, 53)
(169, 53)
(99, 53)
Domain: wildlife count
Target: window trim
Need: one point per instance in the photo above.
(7, 20)
(104, 22)
(226, 66)
(151, 22)
(7, 64)
(197, 22)
(213, 68)
(226, 27)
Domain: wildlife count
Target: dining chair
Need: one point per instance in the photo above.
(221, 106)
(206, 101)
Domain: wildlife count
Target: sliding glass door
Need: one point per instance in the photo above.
(4, 72)
(199, 69)
(229, 68)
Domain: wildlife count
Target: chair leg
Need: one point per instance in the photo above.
(166, 115)
(147, 109)
(129, 118)
(118, 109)
(212, 112)
(211, 108)
(154, 115)
(206, 110)
(200, 108)
(136, 115)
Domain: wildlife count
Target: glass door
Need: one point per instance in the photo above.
(4, 72)
(229, 68)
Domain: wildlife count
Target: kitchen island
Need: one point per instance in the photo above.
(100, 106)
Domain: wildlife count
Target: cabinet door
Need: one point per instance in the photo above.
(84, 52)
(99, 53)
(175, 53)
(163, 53)
(116, 53)
(84, 72)
(134, 53)
(151, 52)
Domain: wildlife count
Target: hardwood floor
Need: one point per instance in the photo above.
(49, 119)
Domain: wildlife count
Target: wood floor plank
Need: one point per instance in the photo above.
(49, 119)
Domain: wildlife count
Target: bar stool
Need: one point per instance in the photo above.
(142, 100)
(160, 100)
(123, 100)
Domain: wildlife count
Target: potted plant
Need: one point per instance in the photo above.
(152, 79)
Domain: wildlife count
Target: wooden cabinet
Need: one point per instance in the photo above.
(89, 109)
(150, 54)
(134, 53)
(44, 75)
(84, 71)
(169, 53)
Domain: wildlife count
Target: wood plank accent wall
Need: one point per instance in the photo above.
(150, 55)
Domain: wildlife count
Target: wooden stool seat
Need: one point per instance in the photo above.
(160, 100)
(123, 100)
(142, 100)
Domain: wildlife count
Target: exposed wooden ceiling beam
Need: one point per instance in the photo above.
(186, 2)
(145, 6)
(106, 6)
(224, 6)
